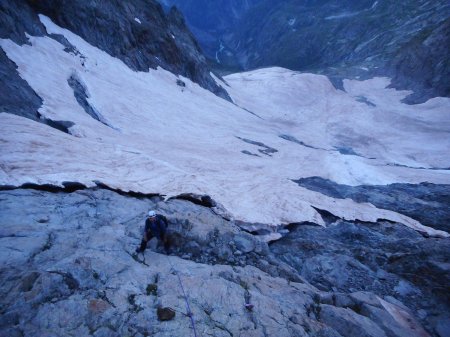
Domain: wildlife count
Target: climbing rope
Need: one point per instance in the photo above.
(188, 307)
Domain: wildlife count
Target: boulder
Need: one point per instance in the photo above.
(244, 242)
(165, 314)
(348, 323)
(394, 320)
(193, 248)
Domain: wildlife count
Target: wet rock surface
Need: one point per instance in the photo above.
(68, 268)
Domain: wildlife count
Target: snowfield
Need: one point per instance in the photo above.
(164, 138)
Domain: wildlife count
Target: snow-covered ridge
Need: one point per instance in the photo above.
(170, 139)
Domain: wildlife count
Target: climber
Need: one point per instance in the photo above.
(155, 226)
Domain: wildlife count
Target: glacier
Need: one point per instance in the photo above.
(166, 139)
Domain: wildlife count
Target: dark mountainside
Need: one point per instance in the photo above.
(111, 26)
(67, 266)
(212, 22)
(408, 41)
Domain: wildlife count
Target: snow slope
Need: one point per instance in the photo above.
(168, 139)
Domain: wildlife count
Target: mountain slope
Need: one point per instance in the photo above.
(88, 145)
(210, 21)
(342, 39)
(137, 32)
(145, 122)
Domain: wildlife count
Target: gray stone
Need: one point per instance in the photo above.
(346, 255)
(363, 297)
(76, 274)
(105, 332)
(224, 253)
(165, 314)
(338, 271)
(11, 332)
(405, 288)
(348, 323)
(402, 324)
(381, 274)
(343, 300)
(193, 248)
(396, 302)
(244, 242)
(262, 248)
(326, 298)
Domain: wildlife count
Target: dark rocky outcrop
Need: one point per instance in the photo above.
(18, 98)
(263, 148)
(426, 202)
(210, 21)
(422, 64)
(81, 95)
(109, 26)
(18, 19)
(202, 200)
(407, 41)
(385, 259)
(136, 31)
(165, 314)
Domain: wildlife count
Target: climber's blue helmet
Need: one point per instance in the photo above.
(151, 214)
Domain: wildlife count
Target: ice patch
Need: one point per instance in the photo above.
(137, 20)
(175, 141)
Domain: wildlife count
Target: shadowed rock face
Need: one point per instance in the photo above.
(211, 20)
(423, 64)
(425, 202)
(24, 102)
(136, 31)
(18, 98)
(67, 267)
(18, 19)
(159, 40)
